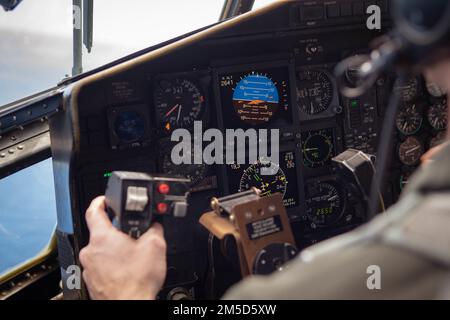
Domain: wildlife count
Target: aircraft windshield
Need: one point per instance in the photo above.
(42, 31)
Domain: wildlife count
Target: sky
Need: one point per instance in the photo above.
(42, 31)
(27, 214)
(36, 53)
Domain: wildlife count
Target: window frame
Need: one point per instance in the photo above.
(49, 250)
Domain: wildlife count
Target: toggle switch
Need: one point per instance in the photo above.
(137, 199)
(180, 209)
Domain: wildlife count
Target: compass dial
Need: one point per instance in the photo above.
(317, 147)
(268, 184)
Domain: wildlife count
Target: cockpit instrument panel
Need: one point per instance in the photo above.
(267, 70)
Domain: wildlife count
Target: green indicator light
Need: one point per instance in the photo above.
(354, 103)
(107, 174)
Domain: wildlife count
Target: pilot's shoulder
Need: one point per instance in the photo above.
(397, 247)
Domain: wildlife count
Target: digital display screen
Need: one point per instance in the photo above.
(256, 98)
(284, 181)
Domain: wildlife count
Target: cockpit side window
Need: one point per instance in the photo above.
(27, 214)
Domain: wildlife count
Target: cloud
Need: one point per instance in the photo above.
(6, 233)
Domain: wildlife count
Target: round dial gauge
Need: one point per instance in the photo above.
(255, 98)
(438, 139)
(194, 172)
(314, 91)
(268, 184)
(409, 119)
(129, 126)
(325, 203)
(179, 102)
(317, 148)
(437, 115)
(409, 91)
(410, 151)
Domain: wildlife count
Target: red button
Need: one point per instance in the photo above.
(161, 207)
(163, 188)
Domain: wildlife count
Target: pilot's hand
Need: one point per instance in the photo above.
(117, 266)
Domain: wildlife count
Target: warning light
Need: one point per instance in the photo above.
(161, 208)
(163, 188)
(167, 126)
